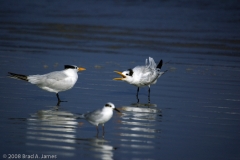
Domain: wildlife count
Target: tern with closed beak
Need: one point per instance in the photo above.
(56, 82)
(100, 116)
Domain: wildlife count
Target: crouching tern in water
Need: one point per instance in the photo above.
(141, 76)
(100, 116)
(56, 82)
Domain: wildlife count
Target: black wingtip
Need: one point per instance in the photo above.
(160, 64)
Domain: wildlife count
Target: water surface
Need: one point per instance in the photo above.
(194, 111)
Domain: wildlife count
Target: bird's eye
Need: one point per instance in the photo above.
(76, 67)
(127, 74)
(107, 105)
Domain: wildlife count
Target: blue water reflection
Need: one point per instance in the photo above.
(97, 148)
(52, 129)
(140, 127)
(59, 131)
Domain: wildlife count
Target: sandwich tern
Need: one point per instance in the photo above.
(100, 116)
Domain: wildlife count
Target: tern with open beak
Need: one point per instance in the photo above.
(56, 82)
(141, 76)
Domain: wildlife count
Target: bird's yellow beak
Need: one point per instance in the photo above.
(120, 78)
(81, 69)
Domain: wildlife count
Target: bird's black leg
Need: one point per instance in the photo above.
(59, 100)
(137, 95)
(58, 103)
(149, 94)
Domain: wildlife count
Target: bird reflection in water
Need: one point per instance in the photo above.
(140, 126)
(97, 148)
(142, 112)
(52, 129)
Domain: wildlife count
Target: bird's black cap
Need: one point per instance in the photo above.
(70, 66)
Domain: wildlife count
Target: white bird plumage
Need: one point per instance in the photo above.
(56, 81)
(141, 76)
(100, 116)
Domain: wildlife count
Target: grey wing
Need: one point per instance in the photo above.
(149, 75)
(95, 115)
(47, 79)
(58, 75)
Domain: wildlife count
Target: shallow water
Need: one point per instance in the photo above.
(194, 111)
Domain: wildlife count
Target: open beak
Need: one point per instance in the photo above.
(81, 69)
(120, 78)
(117, 110)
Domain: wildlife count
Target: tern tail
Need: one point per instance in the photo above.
(18, 76)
